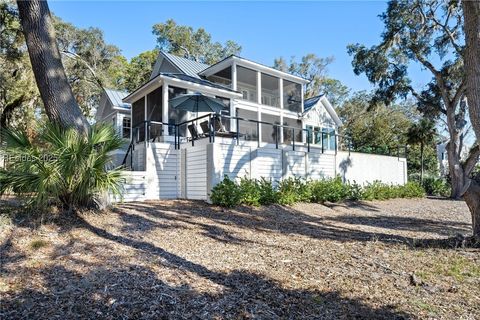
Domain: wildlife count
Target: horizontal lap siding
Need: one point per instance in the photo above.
(267, 163)
(196, 173)
(321, 166)
(134, 186)
(233, 161)
(166, 157)
(295, 164)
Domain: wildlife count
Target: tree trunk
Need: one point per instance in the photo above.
(472, 198)
(471, 12)
(421, 162)
(56, 93)
(455, 169)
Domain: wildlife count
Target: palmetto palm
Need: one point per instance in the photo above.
(61, 165)
(422, 132)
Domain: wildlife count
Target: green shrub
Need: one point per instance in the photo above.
(250, 192)
(268, 193)
(226, 193)
(332, 190)
(411, 190)
(354, 191)
(61, 165)
(292, 190)
(435, 186)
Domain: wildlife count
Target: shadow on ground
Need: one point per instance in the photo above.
(125, 291)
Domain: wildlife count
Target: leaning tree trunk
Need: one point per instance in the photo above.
(56, 93)
(471, 197)
(471, 12)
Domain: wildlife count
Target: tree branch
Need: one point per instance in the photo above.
(445, 28)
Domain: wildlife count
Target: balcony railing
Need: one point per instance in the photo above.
(212, 127)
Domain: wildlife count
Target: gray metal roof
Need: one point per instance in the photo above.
(116, 96)
(310, 102)
(197, 80)
(187, 66)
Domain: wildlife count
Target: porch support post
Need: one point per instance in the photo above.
(233, 123)
(259, 101)
(280, 129)
(165, 107)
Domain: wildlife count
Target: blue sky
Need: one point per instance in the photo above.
(265, 30)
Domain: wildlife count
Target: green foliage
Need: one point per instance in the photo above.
(226, 193)
(197, 44)
(139, 69)
(314, 68)
(332, 190)
(61, 166)
(381, 191)
(268, 193)
(435, 186)
(292, 190)
(250, 192)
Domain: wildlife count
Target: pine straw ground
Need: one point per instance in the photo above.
(189, 260)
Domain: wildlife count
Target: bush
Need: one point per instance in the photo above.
(226, 193)
(61, 165)
(435, 186)
(250, 192)
(332, 190)
(268, 194)
(292, 190)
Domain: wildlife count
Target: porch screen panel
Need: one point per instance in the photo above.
(288, 132)
(247, 129)
(225, 112)
(292, 96)
(138, 117)
(270, 91)
(268, 131)
(176, 116)
(154, 112)
(247, 83)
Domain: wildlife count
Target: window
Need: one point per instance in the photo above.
(247, 83)
(270, 91)
(126, 127)
(292, 96)
(322, 135)
(328, 136)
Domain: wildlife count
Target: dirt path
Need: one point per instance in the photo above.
(187, 260)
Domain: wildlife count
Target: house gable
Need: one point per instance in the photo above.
(319, 112)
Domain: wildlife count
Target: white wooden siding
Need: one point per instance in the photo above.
(196, 173)
(267, 163)
(320, 166)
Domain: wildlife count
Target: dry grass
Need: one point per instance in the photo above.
(183, 260)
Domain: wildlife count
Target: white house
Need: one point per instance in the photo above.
(268, 130)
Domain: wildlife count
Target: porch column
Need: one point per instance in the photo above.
(259, 101)
(165, 108)
(280, 86)
(233, 123)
